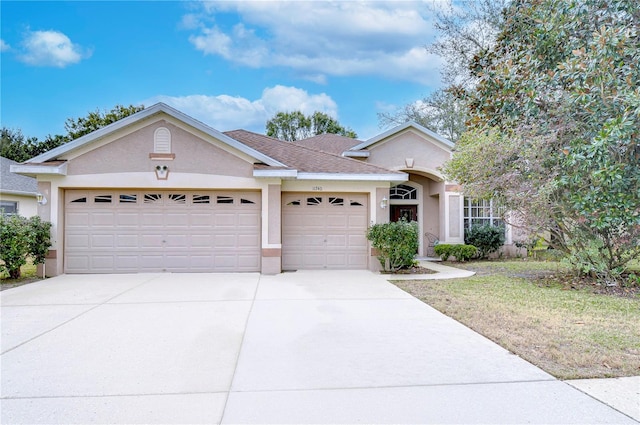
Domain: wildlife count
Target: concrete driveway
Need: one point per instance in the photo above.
(304, 347)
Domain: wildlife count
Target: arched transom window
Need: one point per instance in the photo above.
(403, 191)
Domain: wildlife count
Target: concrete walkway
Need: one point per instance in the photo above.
(441, 272)
(304, 347)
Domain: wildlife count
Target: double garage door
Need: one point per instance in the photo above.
(152, 231)
(324, 231)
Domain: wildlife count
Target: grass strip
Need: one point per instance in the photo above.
(570, 333)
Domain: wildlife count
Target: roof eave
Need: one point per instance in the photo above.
(447, 144)
(19, 193)
(34, 170)
(391, 177)
(285, 174)
(359, 154)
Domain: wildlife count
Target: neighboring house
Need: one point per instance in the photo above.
(161, 191)
(17, 193)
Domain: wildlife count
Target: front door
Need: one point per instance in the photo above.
(408, 212)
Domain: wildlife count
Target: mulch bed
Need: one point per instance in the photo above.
(412, 270)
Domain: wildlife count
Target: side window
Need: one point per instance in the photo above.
(8, 207)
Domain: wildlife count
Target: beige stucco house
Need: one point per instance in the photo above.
(161, 191)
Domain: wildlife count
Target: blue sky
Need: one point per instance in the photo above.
(229, 64)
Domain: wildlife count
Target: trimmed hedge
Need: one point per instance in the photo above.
(461, 252)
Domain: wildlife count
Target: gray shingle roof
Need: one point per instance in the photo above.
(15, 183)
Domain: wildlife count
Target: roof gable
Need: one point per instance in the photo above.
(433, 137)
(85, 142)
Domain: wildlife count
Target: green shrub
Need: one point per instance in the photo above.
(486, 239)
(465, 252)
(396, 242)
(19, 238)
(461, 252)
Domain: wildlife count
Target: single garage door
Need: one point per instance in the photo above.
(324, 231)
(120, 231)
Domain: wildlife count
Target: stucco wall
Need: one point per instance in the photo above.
(393, 152)
(130, 153)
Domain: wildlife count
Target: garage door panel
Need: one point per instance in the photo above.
(78, 241)
(128, 219)
(337, 241)
(103, 262)
(148, 219)
(151, 241)
(337, 221)
(357, 241)
(127, 241)
(247, 241)
(103, 219)
(102, 241)
(161, 231)
(127, 262)
(324, 231)
(77, 220)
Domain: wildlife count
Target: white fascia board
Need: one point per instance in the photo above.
(286, 174)
(395, 177)
(352, 154)
(445, 142)
(146, 113)
(19, 192)
(33, 170)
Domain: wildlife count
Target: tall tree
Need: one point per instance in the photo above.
(556, 119)
(442, 111)
(14, 145)
(464, 30)
(78, 127)
(292, 126)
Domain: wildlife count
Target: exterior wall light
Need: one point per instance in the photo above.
(162, 172)
(384, 202)
(41, 199)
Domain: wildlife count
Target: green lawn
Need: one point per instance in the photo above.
(536, 311)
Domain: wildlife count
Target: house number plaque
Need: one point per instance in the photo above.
(316, 188)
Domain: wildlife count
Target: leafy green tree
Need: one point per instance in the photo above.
(78, 127)
(14, 145)
(464, 30)
(556, 124)
(292, 126)
(442, 112)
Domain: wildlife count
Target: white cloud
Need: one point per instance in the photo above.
(51, 48)
(224, 112)
(4, 46)
(324, 38)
